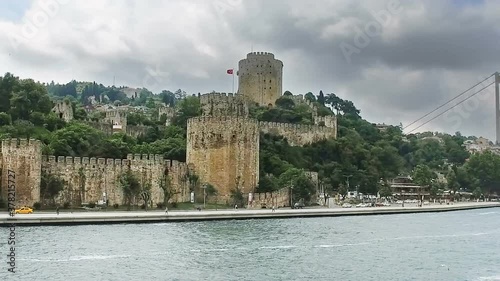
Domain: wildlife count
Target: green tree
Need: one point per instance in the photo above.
(50, 187)
(423, 175)
(130, 186)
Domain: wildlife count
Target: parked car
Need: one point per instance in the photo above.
(298, 205)
(346, 205)
(24, 210)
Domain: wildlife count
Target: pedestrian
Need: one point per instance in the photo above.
(236, 207)
(166, 210)
(274, 210)
(57, 210)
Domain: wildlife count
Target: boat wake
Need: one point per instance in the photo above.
(78, 258)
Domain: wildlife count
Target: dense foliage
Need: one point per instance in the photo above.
(362, 153)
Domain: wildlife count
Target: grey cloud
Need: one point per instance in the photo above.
(443, 42)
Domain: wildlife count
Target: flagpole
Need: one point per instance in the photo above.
(233, 81)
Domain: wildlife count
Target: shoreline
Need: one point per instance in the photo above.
(103, 217)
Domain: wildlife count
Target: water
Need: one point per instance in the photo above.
(462, 245)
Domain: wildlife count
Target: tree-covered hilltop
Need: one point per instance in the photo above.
(361, 151)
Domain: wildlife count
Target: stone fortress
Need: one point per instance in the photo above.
(222, 149)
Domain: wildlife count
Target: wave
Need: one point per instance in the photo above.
(78, 258)
(497, 277)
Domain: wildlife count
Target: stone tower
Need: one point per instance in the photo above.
(224, 152)
(24, 159)
(261, 78)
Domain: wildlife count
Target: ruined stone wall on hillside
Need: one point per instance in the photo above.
(106, 128)
(87, 179)
(217, 104)
(64, 110)
(224, 152)
(169, 112)
(261, 78)
(118, 118)
(137, 131)
(298, 135)
(23, 157)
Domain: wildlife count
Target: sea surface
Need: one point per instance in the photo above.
(462, 245)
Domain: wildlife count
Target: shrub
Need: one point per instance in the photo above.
(174, 205)
(91, 205)
(143, 206)
(116, 206)
(37, 206)
(160, 206)
(66, 205)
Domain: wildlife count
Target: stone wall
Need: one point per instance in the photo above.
(106, 128)
(167, 111)
(280, 198)
(298, 135)
(327, 121)
(137, 131)
(217, 104)
(24, 158)
(224, 152)
(87, 179)
(64, 110)
(261, 78)
(118, 118)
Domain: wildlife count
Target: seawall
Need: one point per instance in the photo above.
(44, 219)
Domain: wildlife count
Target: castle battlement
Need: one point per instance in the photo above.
(210, 96)
(222, 104)
(296, 127)
(20, 143)
(75, 161)
(298, 134)
(260, 54)
(328, 121)
(218, 119)
(155, 158)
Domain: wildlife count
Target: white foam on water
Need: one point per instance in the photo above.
(278, 247)
(78, 258)
(342, 245)
(497, 277)
(487, 213)
(209, 250)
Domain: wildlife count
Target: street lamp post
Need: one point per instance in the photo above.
(291, 194)
(403, 196)
(347, 180)
(204, 194)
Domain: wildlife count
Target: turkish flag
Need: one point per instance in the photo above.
(230, 71)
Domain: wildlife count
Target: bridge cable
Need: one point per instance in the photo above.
(452, 107)
(463, 93)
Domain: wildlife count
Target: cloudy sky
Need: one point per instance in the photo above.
(395, 60)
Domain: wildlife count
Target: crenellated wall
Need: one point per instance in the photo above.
(261, 78)
(327, 121)
(88, 179)
(298, 135)
(224, 152)
(23, 157)
(221, 104)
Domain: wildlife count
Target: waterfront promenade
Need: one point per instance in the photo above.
(155, 216)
